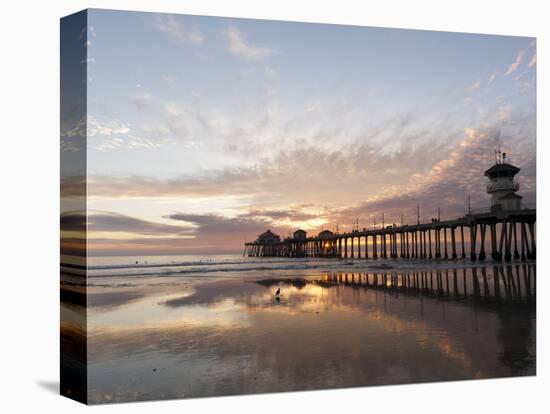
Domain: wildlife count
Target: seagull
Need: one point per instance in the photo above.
(278, 292)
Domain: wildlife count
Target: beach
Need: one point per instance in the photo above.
(186, 327)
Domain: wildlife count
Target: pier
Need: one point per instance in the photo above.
(505, 231)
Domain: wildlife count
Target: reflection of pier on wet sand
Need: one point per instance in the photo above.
(490, 285)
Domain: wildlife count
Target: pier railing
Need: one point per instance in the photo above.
(513, 186)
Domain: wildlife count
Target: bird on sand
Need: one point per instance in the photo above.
(278, 292)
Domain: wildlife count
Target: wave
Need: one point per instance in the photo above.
(194, 266)
(180, 264)
(206, 267)
(203, 271)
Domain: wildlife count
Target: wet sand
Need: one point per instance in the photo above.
(174, 337)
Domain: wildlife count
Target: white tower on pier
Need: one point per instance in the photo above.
(502, 186)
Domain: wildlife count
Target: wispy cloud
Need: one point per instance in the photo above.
(112, 134)
(362, 161)
(515, 64)
(109, 128)
(473, 87)
(174, 29)
(238, 45)
(293, 214)
(533, 60)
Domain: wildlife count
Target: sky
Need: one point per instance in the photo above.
(203, 132)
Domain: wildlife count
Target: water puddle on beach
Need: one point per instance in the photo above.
(152, 338)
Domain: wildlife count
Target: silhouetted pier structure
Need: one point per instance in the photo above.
(507, 227)
(510, 235)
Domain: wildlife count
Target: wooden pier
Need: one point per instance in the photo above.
(502, 234)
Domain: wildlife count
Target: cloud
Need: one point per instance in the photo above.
(515, 65)
(172, 27)
(319, 168)
(228, 233)
(106, 134)
(292, 214)
(238, 46)
(112, 128)
(290, 178)
(533, 60)
(505, 112)
(440, 170)
(224, 182)
(108, 233)
(270, 71)
(475, 86)
(215, 223)
(191, 123)
(313, 106)
(110, 222)
(190, 118)
(448, 182)
(141, 100)
(168, 78)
